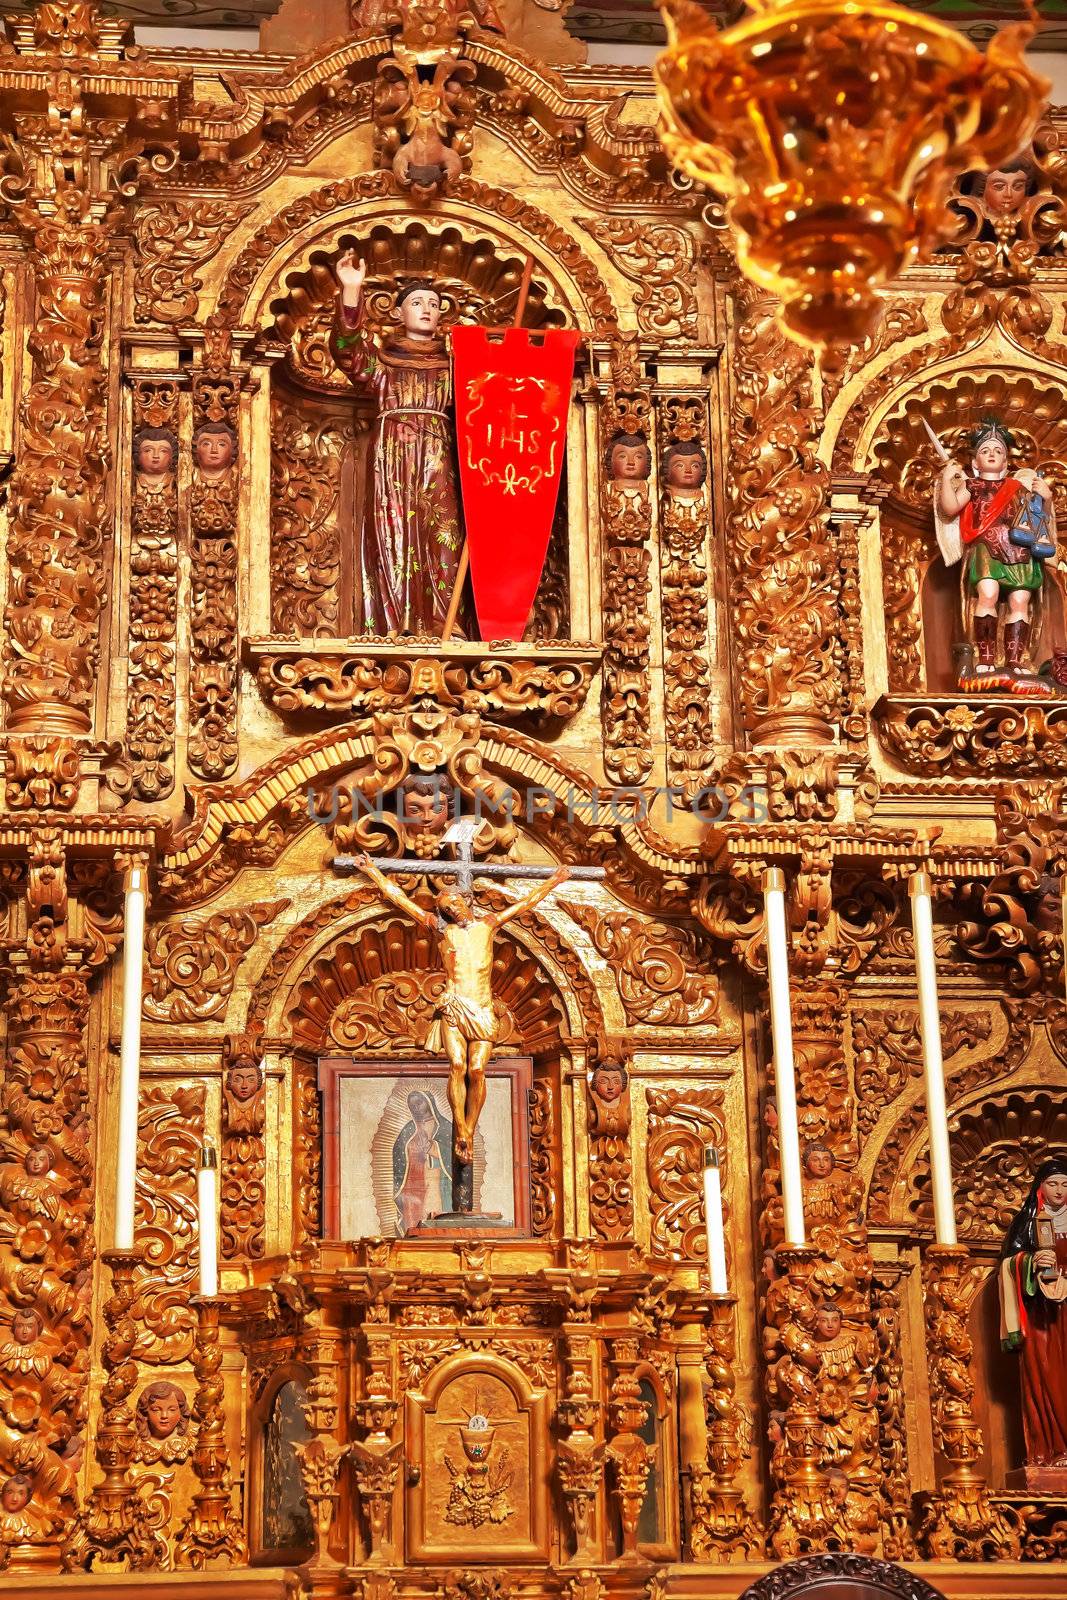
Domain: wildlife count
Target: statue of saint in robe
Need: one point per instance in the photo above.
(411, 539)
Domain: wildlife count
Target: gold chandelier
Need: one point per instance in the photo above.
(834, 128)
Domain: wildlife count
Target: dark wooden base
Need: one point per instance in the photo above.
(1039, 1480)
(464, 1222)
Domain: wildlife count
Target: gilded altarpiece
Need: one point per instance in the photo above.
(740, 657)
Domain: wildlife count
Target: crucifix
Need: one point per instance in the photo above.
(469, 1021)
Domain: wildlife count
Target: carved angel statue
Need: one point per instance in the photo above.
(1002, 526)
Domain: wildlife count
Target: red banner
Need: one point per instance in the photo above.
(513, 391)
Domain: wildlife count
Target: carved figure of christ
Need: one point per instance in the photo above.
(468, 1018)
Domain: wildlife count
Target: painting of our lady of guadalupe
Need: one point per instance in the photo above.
(422, 1159)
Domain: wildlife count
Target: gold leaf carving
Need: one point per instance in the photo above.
(680, 1123)
(656, 967)
(191, 965)
(170, 1133)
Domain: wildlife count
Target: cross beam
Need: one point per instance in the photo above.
(466, 870)
(461, 833)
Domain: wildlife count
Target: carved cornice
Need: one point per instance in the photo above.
(1000, 736)
(342, 678)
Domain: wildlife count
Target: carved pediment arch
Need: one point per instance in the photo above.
(479, 278)
(347, 944)
(377, 987)
(310, 229)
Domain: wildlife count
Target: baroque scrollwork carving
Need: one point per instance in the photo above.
(659, 258)
(190, 966)
(888, 1053)
(173, 239)
(170, 1133)
(680, 1123)
(524, 681)
(656, 966)
(307, 458)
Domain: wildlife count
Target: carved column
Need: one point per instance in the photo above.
(580, 1456)
(214, 1532)
(242, 1194)
(58, 494)
(960, 1522)
(722, 1528)
(627, 521)
(46, 1236)
(67, 167)
(213, 675)
(377, 1458)
(685, 528)
(152, 650)
(628, 1453)
(897, 1541)
(785, 577)
(116, 1522)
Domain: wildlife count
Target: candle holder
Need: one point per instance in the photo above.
(213, 1532)
(116, 1523)
(722, 1528)
(960, 1522)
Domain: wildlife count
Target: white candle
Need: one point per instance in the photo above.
(922, 923)
(207, 1208)
(785, 1087)
(713, 1222)
(130, 1056)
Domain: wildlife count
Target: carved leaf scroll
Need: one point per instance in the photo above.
(191, 965)
(656, 967)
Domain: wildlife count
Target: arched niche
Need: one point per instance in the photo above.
(313, 470)
(923, 598)
(999, 1136)
(280, 1524)
(365, 984)
(657, 1524)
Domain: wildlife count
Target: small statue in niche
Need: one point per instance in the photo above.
(685, 470)
(1033, 1303)
(162, 1425)
(411, 542)
(609, 1102)
(1002, 526)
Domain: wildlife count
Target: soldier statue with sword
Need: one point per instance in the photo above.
(1001, 525)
